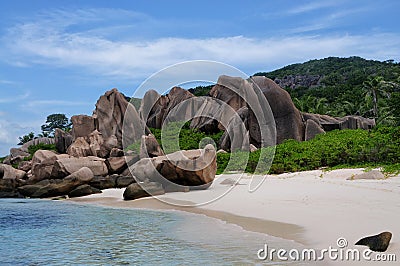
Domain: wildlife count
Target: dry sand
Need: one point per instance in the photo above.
(314, 208)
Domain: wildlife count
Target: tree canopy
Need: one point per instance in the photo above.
(54, 121)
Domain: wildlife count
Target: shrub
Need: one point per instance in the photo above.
(34, 148)
(336, 148)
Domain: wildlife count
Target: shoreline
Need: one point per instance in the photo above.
(286, 231)
(313, 208)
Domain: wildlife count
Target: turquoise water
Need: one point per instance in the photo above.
(43, 232)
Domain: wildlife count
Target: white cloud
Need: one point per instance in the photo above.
(49, 41)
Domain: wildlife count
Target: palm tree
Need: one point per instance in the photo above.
(375, 86)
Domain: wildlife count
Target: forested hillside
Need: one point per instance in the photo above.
(343, 86)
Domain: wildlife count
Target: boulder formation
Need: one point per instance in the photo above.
(62, 140)
(234, 105)
(155, 108)
(181, 170)
(95, 154)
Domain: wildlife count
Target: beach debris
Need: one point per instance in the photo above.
(378, 242)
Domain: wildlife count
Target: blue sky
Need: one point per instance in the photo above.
(60, 56)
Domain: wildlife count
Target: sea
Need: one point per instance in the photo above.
(48, 232)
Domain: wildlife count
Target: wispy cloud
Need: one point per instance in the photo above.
(42, 103)
(55, 44)
(8, 82)
(16, 98)
(312, 6)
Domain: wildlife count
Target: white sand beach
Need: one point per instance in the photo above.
(314, 208)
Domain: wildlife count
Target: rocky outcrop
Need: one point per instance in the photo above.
(378, 243)
(116, 165)
(18, 155)
(57, 187)
(62, 140)
(109, 115)
(83, 175)
(298, 81)
(36, 141)
(83, 190)
(288, 120)
(194, 168)
(67, 166)
(104, 182)
(42, 164)
(8, 187)
(136, 191)
(82, 125)
(156, 108)
(124, 181)
(312, 129)
(16, 152)
(149, 147)
(9, 172)
(92, 145)
(328, 123)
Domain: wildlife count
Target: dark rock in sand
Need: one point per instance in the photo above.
(83, 190)
(103, 182)
(147, 189)
(124, 181)
(378, 242)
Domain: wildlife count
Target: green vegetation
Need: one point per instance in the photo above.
(2, 159)
(188, 138)
(136, 102)
(24, 139)
(34, 148)
(201, 90)
(361, 148)
(54, 121)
